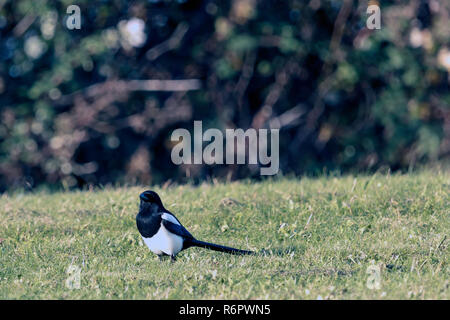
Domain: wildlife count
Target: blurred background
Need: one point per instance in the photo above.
(93, 106)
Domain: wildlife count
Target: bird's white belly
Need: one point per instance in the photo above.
(164, 242)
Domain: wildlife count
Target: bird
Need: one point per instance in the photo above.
(164, 234)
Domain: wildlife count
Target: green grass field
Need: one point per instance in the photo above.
(321, 239)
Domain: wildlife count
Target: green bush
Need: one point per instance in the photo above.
(363, 98)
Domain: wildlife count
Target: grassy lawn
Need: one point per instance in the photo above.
(321, 239)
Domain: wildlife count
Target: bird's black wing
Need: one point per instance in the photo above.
(177, 229)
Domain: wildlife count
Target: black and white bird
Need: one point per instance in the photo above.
(164, 234)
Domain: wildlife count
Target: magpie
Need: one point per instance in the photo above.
(164, 234)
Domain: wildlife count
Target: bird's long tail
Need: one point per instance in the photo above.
(216, 247)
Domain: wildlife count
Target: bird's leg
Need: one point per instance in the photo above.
(172, 258)
(160, 257)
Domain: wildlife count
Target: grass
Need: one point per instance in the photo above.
(321, 237)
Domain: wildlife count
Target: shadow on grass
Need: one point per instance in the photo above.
(289, 251)
(280, 251)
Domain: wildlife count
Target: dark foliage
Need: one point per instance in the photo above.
(344, 97)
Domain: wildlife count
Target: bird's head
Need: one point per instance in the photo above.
(150, 200)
